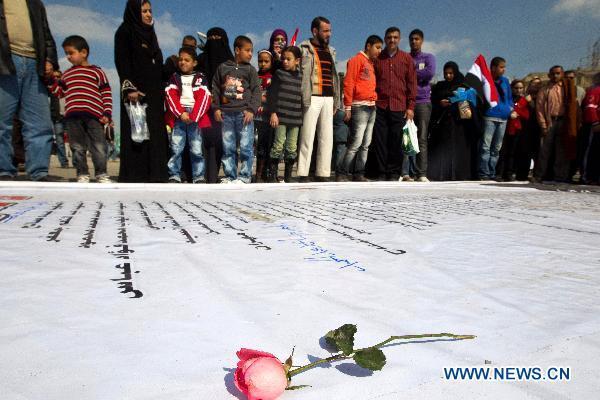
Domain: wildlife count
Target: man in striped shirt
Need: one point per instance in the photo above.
(320, 97)
(88, 107)
(396, 98)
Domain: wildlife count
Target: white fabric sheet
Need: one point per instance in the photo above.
(208, 269)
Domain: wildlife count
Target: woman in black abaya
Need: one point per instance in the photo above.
(139, 62)
(452, 138)
(216, 51)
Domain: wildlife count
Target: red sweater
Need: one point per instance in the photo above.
(86, 92)
(515, 126)
(359, 82)
(591, 106)
(202, 100)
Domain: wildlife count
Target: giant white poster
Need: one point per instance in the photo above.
(147, 291)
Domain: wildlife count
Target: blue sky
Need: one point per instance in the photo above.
(531, 34)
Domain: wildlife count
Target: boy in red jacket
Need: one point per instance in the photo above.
(187, 100)
(359, 102)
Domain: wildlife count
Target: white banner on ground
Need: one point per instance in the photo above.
(147, 291)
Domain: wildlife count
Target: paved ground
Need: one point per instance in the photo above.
(68, 175)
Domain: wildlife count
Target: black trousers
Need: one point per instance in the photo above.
(213, 150)
(386, 156)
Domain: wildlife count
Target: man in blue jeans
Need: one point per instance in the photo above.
(495, 122)
(27, 53)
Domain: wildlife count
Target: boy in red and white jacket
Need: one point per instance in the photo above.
(187, 101)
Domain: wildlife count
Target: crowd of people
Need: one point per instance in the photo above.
(212, 110)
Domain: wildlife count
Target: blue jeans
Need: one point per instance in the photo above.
(234, 130)
(416, 166)
(59, 139)
(355, 159)
(25, 92)
(192, 134)
(489, 150)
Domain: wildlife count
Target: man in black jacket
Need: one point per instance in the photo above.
(27, 54)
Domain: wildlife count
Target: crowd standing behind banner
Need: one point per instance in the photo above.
(213, 103)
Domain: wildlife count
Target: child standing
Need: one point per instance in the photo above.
(236, 96)
(261, 123)
(188, 100)
(285, 106)
(359, 100)
(88, 107)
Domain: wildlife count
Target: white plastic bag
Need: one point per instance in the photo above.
(137, 118)
(410, 139)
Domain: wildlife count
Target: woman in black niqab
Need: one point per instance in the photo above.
(216, 51)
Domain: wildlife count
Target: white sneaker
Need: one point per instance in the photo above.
(83, 179)
(423, 179)
(103, 179)
(226, 180)
(238, 181)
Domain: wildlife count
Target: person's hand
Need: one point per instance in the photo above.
(185, 117)
(347, 115)
(410, 114)
(274, 121)
(104, 120)
(514, 115)
(528, 98)
(218, 116)
(48, 69)
(445, 103)
(133, 97)
(260, 109)
(248, 117)
(544, 132)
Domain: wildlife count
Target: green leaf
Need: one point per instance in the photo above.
(297, 387)
(371, 358)
(342, 338)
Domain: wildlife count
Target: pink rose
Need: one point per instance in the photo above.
(259, 375)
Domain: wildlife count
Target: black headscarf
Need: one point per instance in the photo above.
(216, 52)
(132, 18)
(458, 79)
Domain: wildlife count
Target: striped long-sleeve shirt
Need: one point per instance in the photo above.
(86, 91)
(396, 81)
(284, 97)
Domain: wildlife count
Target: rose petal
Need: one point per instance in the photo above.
(265, 378)
(246, 354)
(239, 381)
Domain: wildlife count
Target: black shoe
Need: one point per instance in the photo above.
(47, 178)
(322, 179)
(303, 179)
(360, 178)
(289, 166)
(273, 170)
(6, 178)
(341, 178)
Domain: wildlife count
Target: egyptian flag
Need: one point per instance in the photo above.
(294, 38)
(480, 78)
